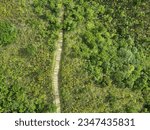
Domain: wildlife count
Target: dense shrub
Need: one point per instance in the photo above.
(106, 56)
(8, 33)
(26, 67)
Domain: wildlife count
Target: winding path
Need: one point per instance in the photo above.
(57, 59)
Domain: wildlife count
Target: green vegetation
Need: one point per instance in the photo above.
(7, 34)
(28, 33)
(105, 65)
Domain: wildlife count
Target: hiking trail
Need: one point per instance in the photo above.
(57, 61)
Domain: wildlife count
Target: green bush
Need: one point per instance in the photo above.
(7, 33)
(107, 53)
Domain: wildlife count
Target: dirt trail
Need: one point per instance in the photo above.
(57, 59)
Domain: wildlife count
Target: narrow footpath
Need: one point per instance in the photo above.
(57, 60)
